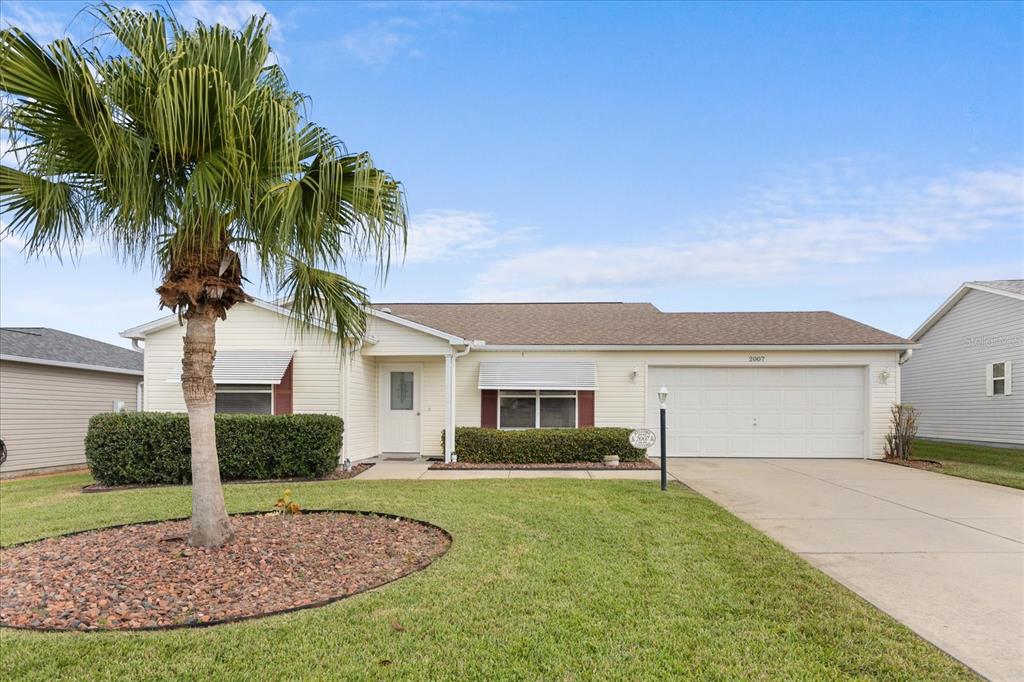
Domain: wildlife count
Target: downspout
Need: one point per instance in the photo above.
(905, 355)
(450, 455)
(136, 346)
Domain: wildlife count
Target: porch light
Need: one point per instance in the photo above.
(662, 396)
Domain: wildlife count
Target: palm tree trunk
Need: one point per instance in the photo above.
(210, 524)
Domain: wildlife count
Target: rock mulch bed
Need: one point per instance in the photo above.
(561, 466)
(338, 474)
(145, 576)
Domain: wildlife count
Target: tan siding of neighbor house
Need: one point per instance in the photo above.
(45, 411)
(945, 378)
(317, 363)
(619, 399)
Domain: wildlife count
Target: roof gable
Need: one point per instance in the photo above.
(1012, 288)
(140, 331)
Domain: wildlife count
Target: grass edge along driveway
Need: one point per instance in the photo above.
(546, 579)
(1001, 466)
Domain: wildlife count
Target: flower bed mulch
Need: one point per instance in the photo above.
(926, 464)
(145, 576)
(563, 466)
(338, 474)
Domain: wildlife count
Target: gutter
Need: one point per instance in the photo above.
(450, 365)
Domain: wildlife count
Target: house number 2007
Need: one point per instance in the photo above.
(756, 358)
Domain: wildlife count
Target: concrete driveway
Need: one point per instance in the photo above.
(943, 555)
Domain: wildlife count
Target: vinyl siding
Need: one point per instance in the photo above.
(361, 426)
(619, 398)
(394, 339)
(316, 379)
(945, 378)
(45, 411)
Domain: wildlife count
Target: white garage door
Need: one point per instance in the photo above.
(760, 412)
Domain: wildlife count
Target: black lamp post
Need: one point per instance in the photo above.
(662, 399)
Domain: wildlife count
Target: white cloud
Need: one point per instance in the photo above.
(378, 42)
(44, 26)
(810, 229)
(234, 15)
(445, 235)
(382, 40)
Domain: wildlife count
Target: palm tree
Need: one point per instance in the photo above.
(184, 148)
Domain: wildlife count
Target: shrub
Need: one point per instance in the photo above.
(899, 442)
(531, 446)
(137, 448)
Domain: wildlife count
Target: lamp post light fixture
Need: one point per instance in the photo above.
(662, 400)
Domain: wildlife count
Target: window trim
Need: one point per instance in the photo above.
(537, 397)
(1006, 379)
(245, 388)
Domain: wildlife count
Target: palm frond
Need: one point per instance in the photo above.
(179, 145)
(322, 296)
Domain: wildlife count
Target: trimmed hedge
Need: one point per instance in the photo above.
(532, 446)
(138, 448)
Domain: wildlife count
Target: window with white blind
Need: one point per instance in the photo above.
(245, 399)
(518, 409)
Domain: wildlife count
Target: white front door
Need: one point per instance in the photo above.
(760, 412)
(399, 408)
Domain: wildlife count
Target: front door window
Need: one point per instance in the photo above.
(402, 390)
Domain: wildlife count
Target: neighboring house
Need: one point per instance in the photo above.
(51, 383)
(790, 384)
(961, 380)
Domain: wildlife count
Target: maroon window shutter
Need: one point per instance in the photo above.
(283, 392)
(585, 408)
(489, 409)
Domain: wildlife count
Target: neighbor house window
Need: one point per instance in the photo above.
(537, 409)
(245, 399)
(998, 376)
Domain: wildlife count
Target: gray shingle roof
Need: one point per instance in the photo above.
(43, 343)
(1014, 286)
(635, 324)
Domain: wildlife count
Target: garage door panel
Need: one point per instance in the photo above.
(849, 399)
(762, 412)
(741, 398)
(690, 399)
(768, 446)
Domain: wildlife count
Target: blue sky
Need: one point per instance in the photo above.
(862, 158)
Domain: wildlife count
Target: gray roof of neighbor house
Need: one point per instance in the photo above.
(1014, 286)
(52, 346)
(640, 324)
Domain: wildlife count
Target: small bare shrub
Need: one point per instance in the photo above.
(899, 442)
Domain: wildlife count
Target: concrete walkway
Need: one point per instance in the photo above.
(387, 469)
(943, 555)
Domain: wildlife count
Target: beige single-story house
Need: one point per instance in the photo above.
(762, 384)
(51, 383)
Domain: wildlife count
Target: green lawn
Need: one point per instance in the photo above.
(546, 579)
(1003, 466)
